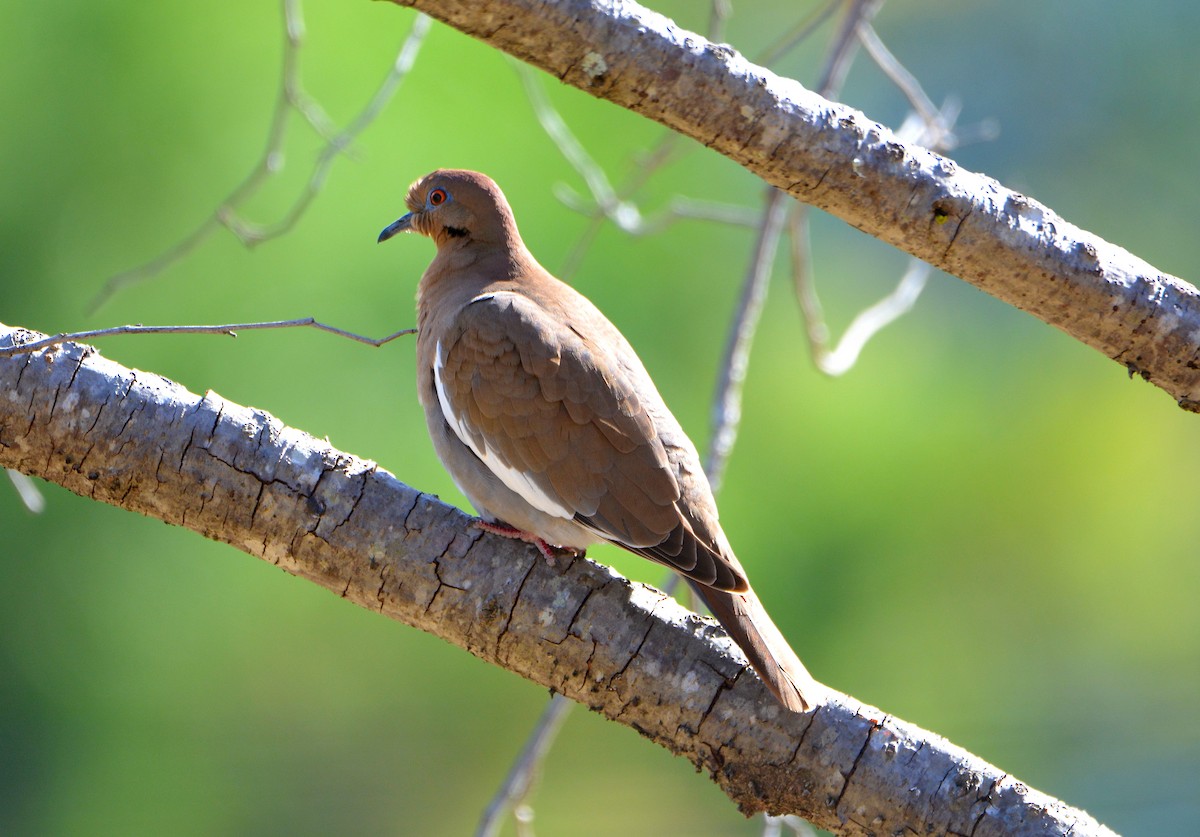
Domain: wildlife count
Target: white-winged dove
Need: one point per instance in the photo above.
(550, 425)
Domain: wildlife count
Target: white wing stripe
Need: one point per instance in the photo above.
(515, 480)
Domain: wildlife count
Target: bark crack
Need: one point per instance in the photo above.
(500, 634)
(957, 229)
(854, 765)
(612, 681)
(987, 800)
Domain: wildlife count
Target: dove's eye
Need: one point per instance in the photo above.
(437, 197)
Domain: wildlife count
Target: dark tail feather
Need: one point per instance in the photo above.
(746, 621)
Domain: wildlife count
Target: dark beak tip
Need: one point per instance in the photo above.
(402, 225)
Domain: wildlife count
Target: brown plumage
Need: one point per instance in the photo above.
(549, 424)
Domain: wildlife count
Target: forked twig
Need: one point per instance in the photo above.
(899, 74)
(230, 329)
(608, 203)
(868, 322)
(251, 234)
(934, 126)
(291, 97)
(930, 126)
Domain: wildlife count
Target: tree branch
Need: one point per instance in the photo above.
(833, 157)
(238, 475)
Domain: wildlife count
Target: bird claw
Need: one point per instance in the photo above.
(549, 551)
(552, 553)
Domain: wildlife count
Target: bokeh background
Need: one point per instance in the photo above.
(985, 528)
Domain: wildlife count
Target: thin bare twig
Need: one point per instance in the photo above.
(841, 55)
(773, 826)
(524, 772)
(230, 329)
(646, 164)
(571, 148)
(798, 33)
(727, 400)
(291, 92)
(255, 234)
(719, 12)
(898, 73)
(866, 324)
(291, 97)
(928, 125)
(679, 208)
(934, 125)
(31, 498)
(608, 203)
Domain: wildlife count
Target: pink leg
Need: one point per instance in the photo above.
(551, 552)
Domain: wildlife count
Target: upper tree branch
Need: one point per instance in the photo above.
(238, 475)
(833, 157)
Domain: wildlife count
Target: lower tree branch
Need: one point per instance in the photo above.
(238, 475)
(835, 158)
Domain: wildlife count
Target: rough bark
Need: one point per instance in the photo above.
(835, 158)
(238, 475)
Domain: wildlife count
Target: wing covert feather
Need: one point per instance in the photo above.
(543, 401)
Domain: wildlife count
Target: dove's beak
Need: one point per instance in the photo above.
(402, 225)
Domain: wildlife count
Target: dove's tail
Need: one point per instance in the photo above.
(746, 621)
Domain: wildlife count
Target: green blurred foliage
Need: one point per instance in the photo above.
(985, 527)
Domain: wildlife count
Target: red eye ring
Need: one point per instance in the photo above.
(437, 197)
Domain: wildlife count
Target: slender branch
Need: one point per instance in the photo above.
(572, 149)
(845, 43)
(291, 92)
(608, 203)
(799, 33)
(523, 774)
(869, 322)
(899, 75)
(931, 125)
(31, 498)
(934, 126)
(719, 12)
(865, 325)
(679, 208)
(833, 157)
(269, 162)
(230, 329)
(727, 399)
(773, 826)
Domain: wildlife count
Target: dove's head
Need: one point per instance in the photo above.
(455, 207)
